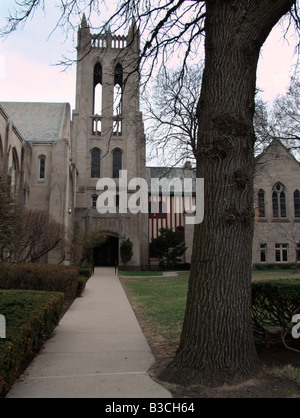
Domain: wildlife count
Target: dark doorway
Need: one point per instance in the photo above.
(107, 254)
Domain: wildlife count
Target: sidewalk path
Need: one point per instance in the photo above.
(98, 350)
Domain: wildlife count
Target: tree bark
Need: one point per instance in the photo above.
(217, 344)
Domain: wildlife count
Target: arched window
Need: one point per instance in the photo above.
(278, 201)
(97, 89)
(15, 170)
(95, 163)
(117, 163)
(118, 85)
(42, 167)
(297, 203)
(261, 203)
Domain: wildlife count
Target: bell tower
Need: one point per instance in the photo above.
(108, 135)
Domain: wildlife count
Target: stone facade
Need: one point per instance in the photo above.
(55, 162)
(15, 155)
(35, 143)
(277, 202)
(108, 134)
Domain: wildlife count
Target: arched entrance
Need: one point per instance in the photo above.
(107, 253)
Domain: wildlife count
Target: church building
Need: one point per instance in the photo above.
(55, 157)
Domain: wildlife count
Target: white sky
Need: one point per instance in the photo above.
(28, 58)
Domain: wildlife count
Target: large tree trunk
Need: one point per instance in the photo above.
(217, 344)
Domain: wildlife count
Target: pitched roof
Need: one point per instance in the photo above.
(171, 173)
(38, 122)
(274, 147)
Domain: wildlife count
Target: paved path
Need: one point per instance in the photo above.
(98, 350)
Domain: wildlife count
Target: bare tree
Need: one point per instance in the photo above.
(41, 235)
(171, 121)
(36, 238)
(25, 235)
(291, 231)
(217, 343)
(83, 243)
(286, 116)
(263, 129)
(11, 220)
(170, 115)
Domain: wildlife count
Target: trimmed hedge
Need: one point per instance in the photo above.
(50, 277)
(31, 317)
(85, 271)
(273, 305)
(82, 280)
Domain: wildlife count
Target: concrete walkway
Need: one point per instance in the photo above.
(98, 350)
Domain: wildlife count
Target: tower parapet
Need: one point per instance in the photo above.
(108, 40)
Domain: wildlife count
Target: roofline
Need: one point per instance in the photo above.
(276, 140)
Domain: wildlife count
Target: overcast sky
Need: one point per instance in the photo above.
(29, 57)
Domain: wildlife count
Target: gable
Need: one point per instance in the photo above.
(276, 164)
(276, 152)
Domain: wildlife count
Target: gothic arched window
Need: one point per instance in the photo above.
(118, 85)
(117, 163)
(278, 201)
(297, 203)
(261, 203)
(95, 163)
(14, 171)
(97, 89)
(42, 167)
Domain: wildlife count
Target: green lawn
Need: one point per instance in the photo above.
(162, 300)
(140, 273)
(274, 274)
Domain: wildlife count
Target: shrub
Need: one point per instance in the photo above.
(54, 278)
(82, 280)
(126, 251)
(85, 271)
(31, 317)
(168, 247)
(273, 305)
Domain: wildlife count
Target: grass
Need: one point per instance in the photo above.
(289, 372)
(140, 273)
(274, 274)
(162, 301)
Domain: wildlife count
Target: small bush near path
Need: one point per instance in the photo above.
(31, 316)
(81, 283)
(50, 277)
